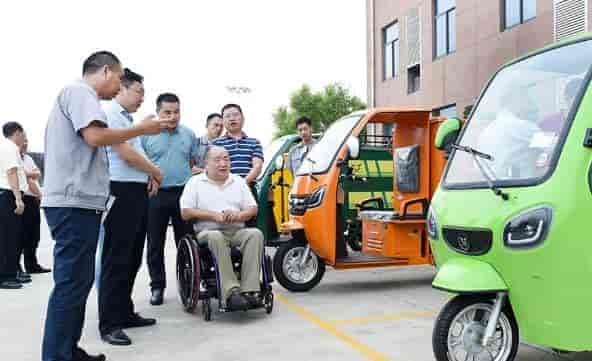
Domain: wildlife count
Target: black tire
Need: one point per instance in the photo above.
(268, 302)
(206, 310)
(188, 273)
(285, 280)
(453, 308)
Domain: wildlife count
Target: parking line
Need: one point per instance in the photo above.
(382, 318)
(331, 329)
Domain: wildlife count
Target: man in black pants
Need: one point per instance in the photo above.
(173, 152)
(12, 185)
(132, 177)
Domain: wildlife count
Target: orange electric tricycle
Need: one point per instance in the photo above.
(360, 199)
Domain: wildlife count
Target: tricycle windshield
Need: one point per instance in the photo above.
(270, 152)
(321, 156)
(522, 119)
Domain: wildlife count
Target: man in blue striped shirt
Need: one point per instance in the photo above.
(246, 154)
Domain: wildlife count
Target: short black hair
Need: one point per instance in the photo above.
(8, 129)
(130, 77)
(303, 120)
(98, 60)
(231, 105)
(212, 116)
(166, 98)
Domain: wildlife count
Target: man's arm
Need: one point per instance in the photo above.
(13, 181)
(138, 161)
(33, 188)
(255, 171)
(189, 214)
(97, 135)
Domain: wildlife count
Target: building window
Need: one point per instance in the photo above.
(517, 12)
(448, 111)
(391, 50)
(413, 79)
(445, 27)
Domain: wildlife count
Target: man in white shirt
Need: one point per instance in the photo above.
(12, 185)
(220, 202)
(32, 216)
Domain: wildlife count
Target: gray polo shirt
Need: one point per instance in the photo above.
(76, 174)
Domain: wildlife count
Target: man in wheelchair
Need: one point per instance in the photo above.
(219, 203)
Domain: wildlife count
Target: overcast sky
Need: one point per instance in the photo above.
(193, 48)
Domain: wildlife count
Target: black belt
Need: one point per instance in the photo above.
(172, 189)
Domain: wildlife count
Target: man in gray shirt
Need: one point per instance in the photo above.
(76, 190)
(214, 128)
(299, 151)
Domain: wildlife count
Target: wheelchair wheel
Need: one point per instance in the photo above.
(268, 302)
(206, 309)
(188, 273)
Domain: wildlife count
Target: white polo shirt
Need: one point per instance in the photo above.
(205, 194)
(10, 157)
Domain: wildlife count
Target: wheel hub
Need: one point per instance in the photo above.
(472, 336)
(297, 272)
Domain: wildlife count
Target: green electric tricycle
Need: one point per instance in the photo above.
(509, 224)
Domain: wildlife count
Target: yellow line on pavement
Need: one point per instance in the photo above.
(381, 318)
(331, 329)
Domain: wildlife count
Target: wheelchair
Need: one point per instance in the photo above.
(198, 278)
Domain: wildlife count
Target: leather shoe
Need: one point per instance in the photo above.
(37, 269)
(10, 285)
(236, 301)
(253, 298)
(81, 355)
(138, 321)
(116, 338)
(157, 297)
(22, 277)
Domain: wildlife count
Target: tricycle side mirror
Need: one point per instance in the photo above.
(353, 147)
(447, 133)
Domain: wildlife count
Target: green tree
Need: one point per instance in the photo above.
(324, 107)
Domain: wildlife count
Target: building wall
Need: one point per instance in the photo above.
(482, 47)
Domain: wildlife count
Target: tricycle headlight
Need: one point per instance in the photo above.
(432, 224)
(316, 198)
(529, 228)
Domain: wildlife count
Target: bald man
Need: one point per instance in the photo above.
(220, 202)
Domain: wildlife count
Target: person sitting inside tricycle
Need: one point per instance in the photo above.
(219, 203)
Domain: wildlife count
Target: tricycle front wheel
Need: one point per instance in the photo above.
(293, 271)
(460, 327)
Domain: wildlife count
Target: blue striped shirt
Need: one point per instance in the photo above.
(241, 152)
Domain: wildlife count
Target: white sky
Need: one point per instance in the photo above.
(193, 48)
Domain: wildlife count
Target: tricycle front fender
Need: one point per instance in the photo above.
(466, 275)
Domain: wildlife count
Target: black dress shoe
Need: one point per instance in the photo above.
(138, 321)
(37, 269)
(253, 298)
(10, 285)
(116, 338)
(22, 277)
(157, 297)
(81, 355)
(236, 301)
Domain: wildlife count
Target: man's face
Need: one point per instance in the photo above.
(305, 132)
(132, 97)
(110, 82)
(233, 120)
(19, 138)
(218, 164)
(170, 112)
(215, 127)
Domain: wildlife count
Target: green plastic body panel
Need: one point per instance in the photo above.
(548, 285)
(457, 276)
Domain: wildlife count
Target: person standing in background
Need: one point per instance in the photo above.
(214, 128)
(32, 216)
(174, 153)
(13, 183)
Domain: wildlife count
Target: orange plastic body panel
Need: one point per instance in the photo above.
(404, 242)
